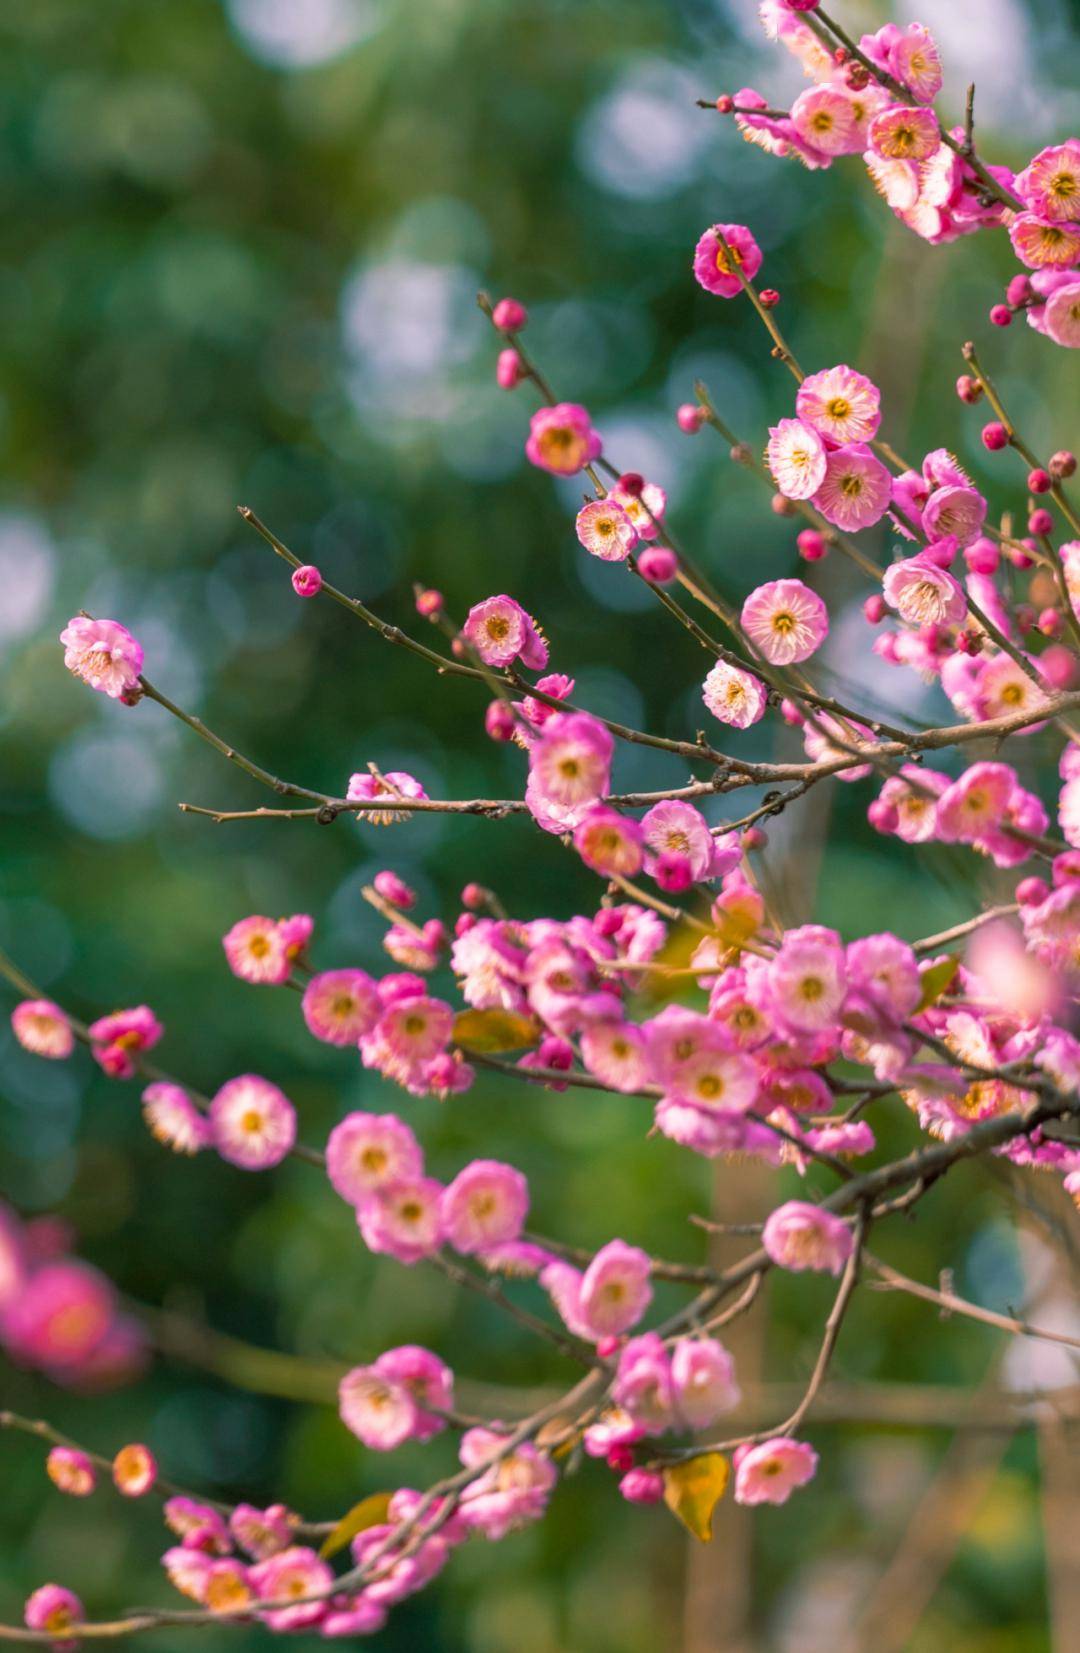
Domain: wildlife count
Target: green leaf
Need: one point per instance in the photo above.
(937, 979)
(489, 1031)
(369, 1512)
(693, 1489)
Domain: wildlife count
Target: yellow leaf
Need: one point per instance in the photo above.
(488, 1031)
(369, 1512)
(693, 1489)
(937, 979)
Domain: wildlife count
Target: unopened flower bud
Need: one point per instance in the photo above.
(782, 506)
(499, 720)
(394, 889)
(1062, 464)
(642, 1486)
(1039, 481)
(1059, 667)
(995, 436)
(982, 556)
(473, 896)
(658, 564)
(1019, 292)
(968, 389)
(883, 817)
(874, 608)
(769, 298)
(673, 872)
(812, 545)
(690, 417)
(1050, 622)
(429, 603)
(753, 838)
(725, 103)
(1001, 315)
(1031, 892)
(509, 316)
(791, 714)
(307, 581)
(509, 369)
(1040, 522)
(632, 482)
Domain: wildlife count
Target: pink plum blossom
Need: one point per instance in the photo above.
(785, 621)
(841, 406)
(402, 1219)
(605, 530)
(103, 654)
(501, 632)
(366, 1151)
(253, 1123)
(341, 1006)
(771, 1472)
(801, 1236)
(615, 1289)
(40, 1026)
(734, 696)
(485, 1205)
(712, 266)
(561, 439)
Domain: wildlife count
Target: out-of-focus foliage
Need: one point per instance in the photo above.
(241, 247)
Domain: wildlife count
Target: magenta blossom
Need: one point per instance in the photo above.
(561, 439)
(785, 621)
(501, 632)
(713, 262)
(924, 594)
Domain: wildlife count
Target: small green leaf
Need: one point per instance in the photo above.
(369, 1512)
(693, 1489)
(490, 1031)
(937, 979)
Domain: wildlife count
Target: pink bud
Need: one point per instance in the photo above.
(943, 552)
(982, 556)
(1062, 464)
(782, 506)
(995, 436)
(753, 838)
(1019, 291)
(968, 389)
(658, 564)
(642, 1486)
(1039, 481)
(464, 923)
(499, 720)
(632, 482)
(429, 603)
(874, 608)
(1001, 315)
(474, 896)
(769, 298)
(608, 922)
(1059, 666)
(509, 370)
(725, 103)
(673, 872)
(1065, 868)
(605, 1348)
(1050, 622)
(435, 932)
(883, 817)
(394, 889)
(620, 1458)
(1030, 892)
(1021, 555)
(1040, 522)
(307, 581)
(509, 316)
(690, 417)
(791, 714)
(811, 545)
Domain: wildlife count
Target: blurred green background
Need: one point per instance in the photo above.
(241, 244)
